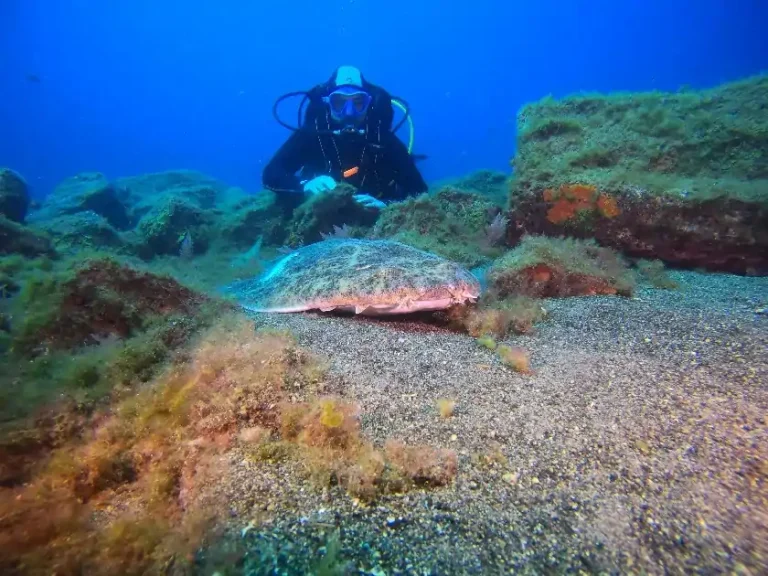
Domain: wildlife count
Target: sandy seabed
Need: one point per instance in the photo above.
(638, 444)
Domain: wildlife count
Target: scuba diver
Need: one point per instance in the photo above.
(346, 136)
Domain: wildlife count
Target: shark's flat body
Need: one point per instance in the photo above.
(371, 277)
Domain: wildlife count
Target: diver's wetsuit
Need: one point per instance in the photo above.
(385, 168)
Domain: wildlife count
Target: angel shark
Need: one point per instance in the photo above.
(369, 277)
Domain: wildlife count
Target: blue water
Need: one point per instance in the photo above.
(133, 86)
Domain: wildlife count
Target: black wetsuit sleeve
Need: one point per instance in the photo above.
(280, 173)
(407, 176)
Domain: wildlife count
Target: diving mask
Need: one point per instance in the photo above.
(348, 103)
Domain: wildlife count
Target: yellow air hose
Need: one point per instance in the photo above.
(410, 125)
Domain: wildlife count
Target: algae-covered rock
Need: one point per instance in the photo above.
(681, 177)
(202, 188)
(99, 299)
(16, 238)
(86, 192)
(544, 267)
(141, 193)
(73, 332)
(84, 230)
(14, 196)
(319, 214)
(174, 205)
(247, 218)
(492, 185)
(10, 266)
(460, 225)
(167, 224)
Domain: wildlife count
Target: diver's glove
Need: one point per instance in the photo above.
(319, 184)
(368, 201)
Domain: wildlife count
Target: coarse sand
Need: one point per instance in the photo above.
(637, 444)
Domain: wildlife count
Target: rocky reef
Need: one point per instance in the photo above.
(103, 265)
(186, 214)
(316, 217)
(14, 196)
(682, 177)
(16, 238)
(545, 267)
(457, 223)
(147, 425)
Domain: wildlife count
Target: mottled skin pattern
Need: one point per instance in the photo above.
(366, 276)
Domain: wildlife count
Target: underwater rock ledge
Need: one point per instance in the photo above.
(682, 177)
(724, 235)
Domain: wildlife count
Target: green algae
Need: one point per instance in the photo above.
(246, 219)
(88, 374)
(491, 185)
(655, 273)
(450, 222)
(72, 333)
(16, 238)
(317, 216)
(695, 145)
(568, 256)
(486, 341)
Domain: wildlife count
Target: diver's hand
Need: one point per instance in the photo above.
(319, 184)
(368, 201)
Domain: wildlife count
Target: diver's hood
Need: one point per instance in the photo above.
(347, 76)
